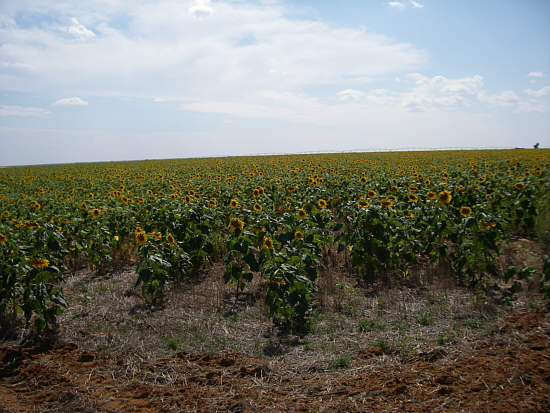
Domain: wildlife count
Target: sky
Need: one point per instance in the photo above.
(102, 80)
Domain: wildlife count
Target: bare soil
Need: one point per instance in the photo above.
(416, 347)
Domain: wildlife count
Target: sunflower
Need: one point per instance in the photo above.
(212, 202)
(260, 190)
(411, 215)
(90, 196)
(170, 239)
(187, 198)
(156, 235)
(39, 263)
(363, 204)
(520, 186)
(412, 198)
(486, 225)
(322, 203)
(35, 205)
(255, 193)
(298, 235)
(431, 195)
(95, 212)
(302, 213)
(392, 198)
(3, 238)
(84, 206)
(268, 243)
(363, 180)
(236, 224)
(465, 211)
(371, 194)
(141, 238)
(445, 197)
(233, 203)
(257, 207)
(291, 189)
(393, 188)
(386, 203)
(6, 214)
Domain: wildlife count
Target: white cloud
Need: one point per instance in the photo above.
(350, 94)
(535, 74)
(506, 98)
(74, 101)
(416, 4)
(79, 30)
(538, 93)
(396, 5)
(201, 8)
(22, 111)
(164, 51)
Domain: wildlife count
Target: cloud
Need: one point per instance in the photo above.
(22, 111)
(538, 93)
(535, 74)
(416, 4)
(74, 101)
(79, 30)
(164, 51)
(396, 5)
(350, 94)
(201, 8)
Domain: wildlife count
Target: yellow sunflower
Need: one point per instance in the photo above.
(156, 235)
(298, 235)
(141, 238)
(371, 194)
(257, 207)
(236, 224)
(520, 186)
(465, 211)
(233, 203)
(386, 203)
(302, 213)
(39, 263)
(445, 197)
(412, 198)
(95, 212)
(363, 204)
(212, 202)
(431, 195)
(170, 239)
(268, 243)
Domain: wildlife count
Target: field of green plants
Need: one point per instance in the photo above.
(279, 218)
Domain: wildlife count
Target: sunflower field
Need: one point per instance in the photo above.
(275, 217)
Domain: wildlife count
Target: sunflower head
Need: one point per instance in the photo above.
(260, 190)
(431, 195)
(3, 238)
(465, 211)
(322, 203)
(96, 212)
(386, 203)
(412, 198)
(520, 186)
(298, 235)
(233, 203)
(268, 243)
(363, 180)
(212, 202)
(236, 224)
(371, 194)
(257, 207)
(170, 240)
(255, 193)
(156, 235)
(141, 238)
(302, 213)
(363, 204)
(445, 197)
(39, 263)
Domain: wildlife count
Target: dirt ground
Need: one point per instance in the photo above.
(507, 371)
(425, 347)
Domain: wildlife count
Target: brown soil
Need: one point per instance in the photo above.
(508, 370)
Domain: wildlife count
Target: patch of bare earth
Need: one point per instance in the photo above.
(422, 346)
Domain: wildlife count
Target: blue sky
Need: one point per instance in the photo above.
(112, 79)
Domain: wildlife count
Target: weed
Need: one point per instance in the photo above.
(343, 362)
